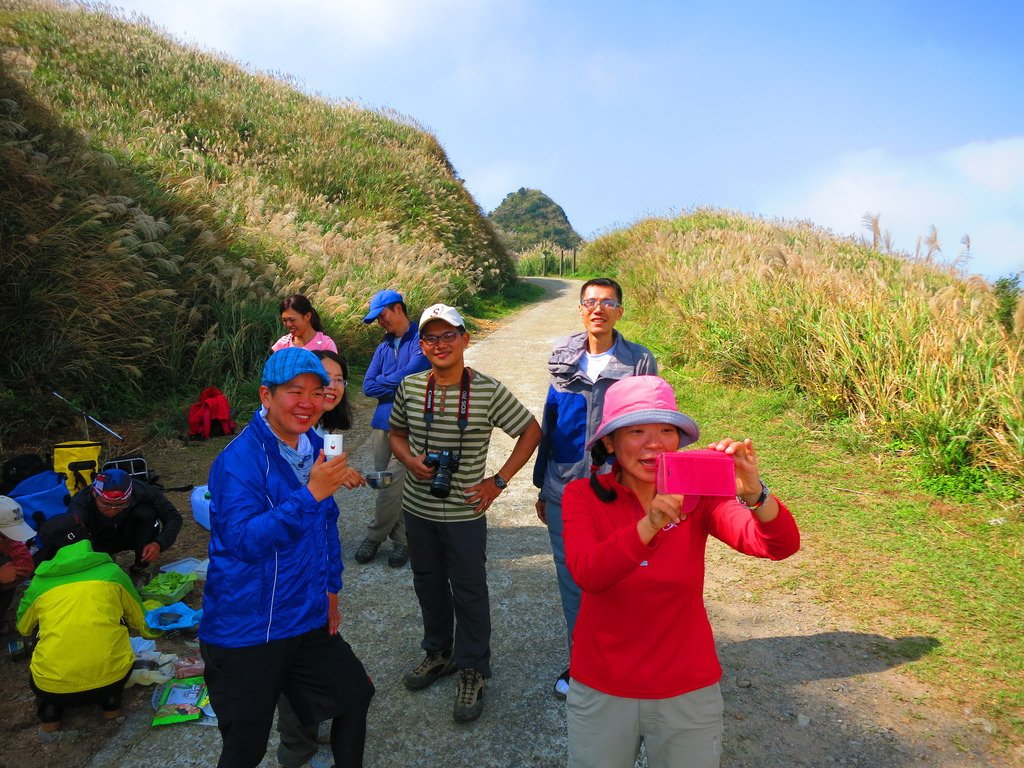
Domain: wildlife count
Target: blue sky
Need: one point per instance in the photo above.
(801, 110)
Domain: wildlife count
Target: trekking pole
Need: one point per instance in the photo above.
(85, 416)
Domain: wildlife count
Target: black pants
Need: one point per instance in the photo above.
(50, 706)
(141, 528)
(450, 577)
(319, 675)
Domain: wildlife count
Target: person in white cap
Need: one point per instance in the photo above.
(15, 560)
(441, 428)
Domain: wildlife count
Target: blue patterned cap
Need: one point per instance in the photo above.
(285, 364)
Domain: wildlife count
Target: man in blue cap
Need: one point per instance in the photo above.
(124, 514)
(397, 356)
(270, 604)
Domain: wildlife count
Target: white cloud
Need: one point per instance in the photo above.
(976, 189)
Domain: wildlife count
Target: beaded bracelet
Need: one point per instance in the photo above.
(760, 499)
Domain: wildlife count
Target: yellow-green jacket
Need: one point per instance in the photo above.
(78, 600)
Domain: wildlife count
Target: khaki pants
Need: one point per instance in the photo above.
(681, 732)
(388, 520)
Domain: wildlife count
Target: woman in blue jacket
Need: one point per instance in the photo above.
(270, 606)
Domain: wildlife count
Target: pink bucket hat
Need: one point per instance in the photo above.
(643, 400)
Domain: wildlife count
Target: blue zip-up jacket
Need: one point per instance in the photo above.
(572, 411)
(274, 550)
(387, 369)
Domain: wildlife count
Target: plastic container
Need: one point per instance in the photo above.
(200, 501)
(188, 565)
(149, 592)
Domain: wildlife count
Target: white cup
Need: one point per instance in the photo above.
(334, 443)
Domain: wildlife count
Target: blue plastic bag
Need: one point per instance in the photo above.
(187, 617)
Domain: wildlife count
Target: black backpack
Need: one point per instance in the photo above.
(18, 468)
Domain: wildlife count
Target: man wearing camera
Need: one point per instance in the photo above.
(440, 430)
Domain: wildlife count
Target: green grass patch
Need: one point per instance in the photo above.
(944, 578)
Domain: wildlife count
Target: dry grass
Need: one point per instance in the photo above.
(157, 202)
(905, 347)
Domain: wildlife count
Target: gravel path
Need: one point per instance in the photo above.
(801, 687)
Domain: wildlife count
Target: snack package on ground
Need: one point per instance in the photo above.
(181, 701)
(189, 666)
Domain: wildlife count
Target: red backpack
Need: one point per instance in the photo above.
(210, 416)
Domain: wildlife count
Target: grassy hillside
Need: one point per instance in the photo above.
(883, 392)
(156, 203)
(906, 349)
(528, 218)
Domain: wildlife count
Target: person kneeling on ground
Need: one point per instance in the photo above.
(83, 606)
(270, 604)
(122, 514)
(15, 560)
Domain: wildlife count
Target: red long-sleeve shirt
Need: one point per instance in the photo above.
(17, 552)
(642, 630)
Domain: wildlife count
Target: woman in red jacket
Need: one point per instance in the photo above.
(643, 663)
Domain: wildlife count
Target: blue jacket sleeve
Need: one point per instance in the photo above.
(544, 449)
(382, 381)
(334, 563)
(245, 522)
(373, 370)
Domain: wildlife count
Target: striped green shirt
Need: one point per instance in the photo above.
(490, 405)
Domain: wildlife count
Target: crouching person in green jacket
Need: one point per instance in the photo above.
(77, 600)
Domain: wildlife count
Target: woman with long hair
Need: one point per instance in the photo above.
(643, 666)
(303, 325)
(337, 414)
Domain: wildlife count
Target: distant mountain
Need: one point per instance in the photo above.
(528, 218)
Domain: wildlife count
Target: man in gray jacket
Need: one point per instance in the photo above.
(582, 367)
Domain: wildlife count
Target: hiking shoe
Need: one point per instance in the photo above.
(367, 551)
(562, 685)
(140, 575)
(323, 758)
(469, 696)
(398, 556)
(435, 664)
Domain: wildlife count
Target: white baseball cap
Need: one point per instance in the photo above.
(12, 521)
(442, 312)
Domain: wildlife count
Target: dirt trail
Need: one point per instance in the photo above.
(801, 687)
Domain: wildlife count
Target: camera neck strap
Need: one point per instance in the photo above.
(430, 397)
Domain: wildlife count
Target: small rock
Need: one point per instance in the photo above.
(743, 683)
(802, 720)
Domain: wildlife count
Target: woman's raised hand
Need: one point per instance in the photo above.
(748, 476)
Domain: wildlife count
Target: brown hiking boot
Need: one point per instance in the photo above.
(469, 696)
(435, 665)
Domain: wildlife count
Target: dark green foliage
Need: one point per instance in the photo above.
(1007, 290)
(528, 218)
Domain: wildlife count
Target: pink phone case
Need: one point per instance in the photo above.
(702, 472)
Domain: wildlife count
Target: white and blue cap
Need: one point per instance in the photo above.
(443, 312)
(285, 364)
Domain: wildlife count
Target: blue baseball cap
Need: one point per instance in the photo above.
(113, 484)
(382, 300)
(285, 364)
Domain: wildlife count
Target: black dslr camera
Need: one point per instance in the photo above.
(445, 463)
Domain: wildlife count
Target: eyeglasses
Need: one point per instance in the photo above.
(447, 337)
(341, 382)
(606, 303)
